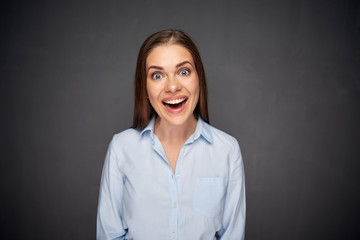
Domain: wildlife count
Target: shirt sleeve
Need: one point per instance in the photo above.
(235, 204)
(109, 224)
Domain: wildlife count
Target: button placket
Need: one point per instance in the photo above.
(175, 182)
(174, 205)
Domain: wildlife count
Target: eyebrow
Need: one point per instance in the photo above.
(177, 65)
(183, 63)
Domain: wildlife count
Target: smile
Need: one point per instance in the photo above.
(175, 103)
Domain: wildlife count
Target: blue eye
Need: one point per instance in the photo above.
(157, 76)
(184, 72)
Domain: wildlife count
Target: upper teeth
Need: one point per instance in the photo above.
(175, 101)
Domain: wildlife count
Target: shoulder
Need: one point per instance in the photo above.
(224, 140)
(127, 134)
(126, 138)
(220, 136)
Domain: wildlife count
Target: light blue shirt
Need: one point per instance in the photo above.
(141, 198)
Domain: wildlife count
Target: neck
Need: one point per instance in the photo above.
(168, 132)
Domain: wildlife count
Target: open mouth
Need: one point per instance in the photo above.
(175, 103)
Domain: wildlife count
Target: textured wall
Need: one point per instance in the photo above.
(283, 78)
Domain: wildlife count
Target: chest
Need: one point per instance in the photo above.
(153, 170)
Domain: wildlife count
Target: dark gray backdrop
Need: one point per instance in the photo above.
(283, 79)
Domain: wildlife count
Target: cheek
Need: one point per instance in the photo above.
(197, 96)
(152, 90)
(151, 97)
(149, 89)
(195, 87)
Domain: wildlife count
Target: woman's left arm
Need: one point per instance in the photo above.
(235, 204)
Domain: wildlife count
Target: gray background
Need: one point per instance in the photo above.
(283, 78)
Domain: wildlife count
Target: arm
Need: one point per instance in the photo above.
(109, 216)
(235, 207)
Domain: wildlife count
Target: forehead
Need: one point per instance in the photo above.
(168, 55)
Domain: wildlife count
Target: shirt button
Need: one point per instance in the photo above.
(178, 176)
(173, 234)
(174, 205)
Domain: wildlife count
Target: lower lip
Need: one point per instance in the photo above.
(176, 110)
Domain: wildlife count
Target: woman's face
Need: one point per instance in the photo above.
(172, 83)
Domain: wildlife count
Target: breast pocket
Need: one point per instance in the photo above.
(209, 196)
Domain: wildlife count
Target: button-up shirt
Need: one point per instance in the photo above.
(142, 198)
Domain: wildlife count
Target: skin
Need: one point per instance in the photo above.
(171, 74)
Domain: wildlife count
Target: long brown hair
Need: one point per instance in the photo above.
(142, 108)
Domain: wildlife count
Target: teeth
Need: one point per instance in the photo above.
(175, 101)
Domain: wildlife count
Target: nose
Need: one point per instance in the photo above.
(172, 84)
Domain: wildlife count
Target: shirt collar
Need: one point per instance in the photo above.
(202, 129)
(149, 127)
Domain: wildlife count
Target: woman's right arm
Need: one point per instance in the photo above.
(109, 216)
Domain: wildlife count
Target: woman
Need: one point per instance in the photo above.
(172, 175)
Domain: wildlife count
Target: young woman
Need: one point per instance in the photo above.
(172, 175)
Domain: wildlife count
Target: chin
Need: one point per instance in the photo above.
(179, 120)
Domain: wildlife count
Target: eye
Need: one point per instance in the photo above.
(184, 72)
(156, 76)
